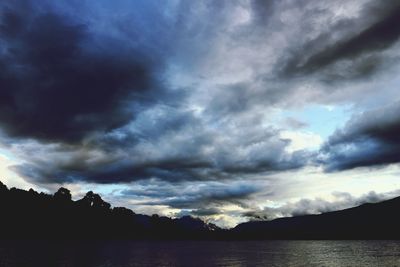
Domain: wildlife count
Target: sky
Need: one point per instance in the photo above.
(229, 111)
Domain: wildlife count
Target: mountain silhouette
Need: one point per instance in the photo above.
(368, 221)
(32, 215)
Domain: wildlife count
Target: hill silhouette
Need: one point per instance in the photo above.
(29, 214)
(33, 215)
(368, 221)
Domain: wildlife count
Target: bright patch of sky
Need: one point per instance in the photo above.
(8, 176)
(319, 119)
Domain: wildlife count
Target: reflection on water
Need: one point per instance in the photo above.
(198, 253)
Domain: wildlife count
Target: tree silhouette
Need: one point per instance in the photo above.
(3, 187)
(95, 201)
(63, 195)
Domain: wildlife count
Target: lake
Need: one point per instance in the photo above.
(200, 253)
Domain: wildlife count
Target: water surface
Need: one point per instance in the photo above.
(199, 253)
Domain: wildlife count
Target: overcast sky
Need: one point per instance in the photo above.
(227, 110)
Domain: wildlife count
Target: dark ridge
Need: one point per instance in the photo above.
(368, 221)
(33, 215)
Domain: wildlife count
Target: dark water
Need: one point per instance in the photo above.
(252, 253)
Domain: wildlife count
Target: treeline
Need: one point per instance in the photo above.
(29, 214)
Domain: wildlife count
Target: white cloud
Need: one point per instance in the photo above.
(300, 140)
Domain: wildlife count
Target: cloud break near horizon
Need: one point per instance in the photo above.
(225, 110)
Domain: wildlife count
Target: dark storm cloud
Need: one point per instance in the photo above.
(206, 212)
(120, 170)
(131, 153)
(213, 195)
(362, 46)
(88, 90)
(203, 197)
(195, 198)
(148, 150)
(369, 139)
(60, 82)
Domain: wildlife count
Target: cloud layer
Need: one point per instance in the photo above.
(368, 139)
(61, 84)
(207, 93)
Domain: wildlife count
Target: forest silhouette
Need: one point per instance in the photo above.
(29, 214)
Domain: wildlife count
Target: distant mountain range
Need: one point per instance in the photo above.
(368, 221)
(33, 215)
